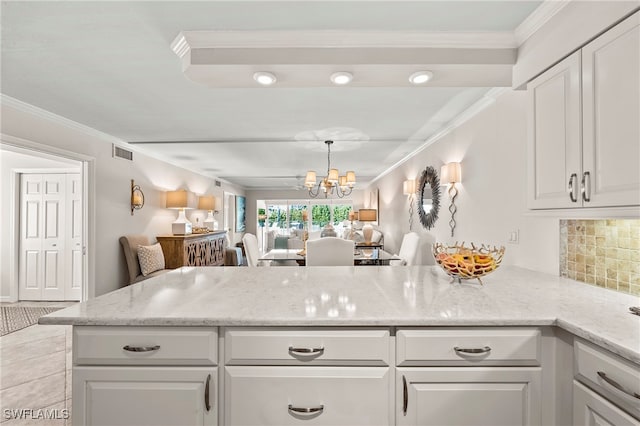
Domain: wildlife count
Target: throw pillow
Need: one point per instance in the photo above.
(151, 258)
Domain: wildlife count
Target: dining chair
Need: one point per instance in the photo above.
(251, 250)
(330, 251)
(408, 250)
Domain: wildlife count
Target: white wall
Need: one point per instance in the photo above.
(491, 202)
(112, 187)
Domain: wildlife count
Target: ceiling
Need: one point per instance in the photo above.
(110, 65)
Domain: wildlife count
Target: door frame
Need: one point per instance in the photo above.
(88, 176)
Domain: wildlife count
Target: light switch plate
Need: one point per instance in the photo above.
(514, 237)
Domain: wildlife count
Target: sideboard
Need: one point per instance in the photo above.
(193, 249)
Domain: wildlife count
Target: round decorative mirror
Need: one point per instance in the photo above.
(428, 198)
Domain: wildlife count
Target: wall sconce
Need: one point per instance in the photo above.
(179, 200)
(137, 197)
(409, 188)
(208, 202)
(450, 174)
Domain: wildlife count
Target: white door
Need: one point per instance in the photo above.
(590, 409)
(73, 254)
(611, 116)
(49, 216)
(145, 396)
(554, 156)
(468, 396)
(30, 256)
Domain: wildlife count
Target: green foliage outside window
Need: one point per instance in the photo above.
(321, 215)
(340, 214)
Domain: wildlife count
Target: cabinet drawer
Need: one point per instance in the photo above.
(259, 346)
(332, 395)
(145, 346)
(591, 409)
(613, 377)
(468, 346)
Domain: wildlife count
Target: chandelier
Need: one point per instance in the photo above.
(331, 184)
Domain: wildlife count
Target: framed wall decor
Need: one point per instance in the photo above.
(241, 214)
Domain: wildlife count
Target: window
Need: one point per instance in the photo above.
(284, 216)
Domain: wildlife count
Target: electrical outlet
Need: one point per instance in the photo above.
(514, 237)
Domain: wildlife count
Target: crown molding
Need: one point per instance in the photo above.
(58, 119)
(89, 131)
(340, 39)
(538, 18)
(487, 100)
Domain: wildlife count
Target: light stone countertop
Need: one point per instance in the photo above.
(365, 296)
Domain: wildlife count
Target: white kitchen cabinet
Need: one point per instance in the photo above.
(471, 396)
(553, 152)
(590, 409)
(141, 396)
(262, 395)
(611, 116)
(616, 379)
(584, 132)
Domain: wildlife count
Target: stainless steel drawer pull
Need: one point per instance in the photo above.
(306, 410)
(306, 351)
(573, 196)
(586, 186)
(472, 351)
(141, 348)
(617, 385)
(207, 403)
(405, 396)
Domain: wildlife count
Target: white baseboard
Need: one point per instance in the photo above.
(7, 299)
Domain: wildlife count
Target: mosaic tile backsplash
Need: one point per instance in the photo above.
(605, 253)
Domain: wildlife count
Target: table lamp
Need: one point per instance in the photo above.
(208, 202)
(179, 200)
(367, 215)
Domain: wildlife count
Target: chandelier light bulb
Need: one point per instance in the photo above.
(420, 77)
(264, 78)
(341, 78)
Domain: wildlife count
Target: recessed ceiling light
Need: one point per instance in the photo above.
(420, 77)
(264, 78)
(341, 78)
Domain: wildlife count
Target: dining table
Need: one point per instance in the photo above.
(361, 257)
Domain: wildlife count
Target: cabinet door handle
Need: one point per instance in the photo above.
(572, 188)
(207, 404)
(586, 186)
(472, 351)
(405, 396)
(617, 385)
(306, 410)
(141, 348)
(306, 351)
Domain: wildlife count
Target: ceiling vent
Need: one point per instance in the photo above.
(218, 183)
(122, 153)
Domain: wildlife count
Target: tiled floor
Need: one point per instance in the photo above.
(35, 372)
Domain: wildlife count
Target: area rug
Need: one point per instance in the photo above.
(16, 318)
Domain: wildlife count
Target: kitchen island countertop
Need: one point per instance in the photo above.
(365, 296)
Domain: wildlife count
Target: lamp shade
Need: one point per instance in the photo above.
(207, 202)
(333, 176)
(178, 199)
(409, 187)
(367, 215)
(450, 173)
(310, 179)
(351, 178)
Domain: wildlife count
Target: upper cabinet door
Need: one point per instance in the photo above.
(611, 116)
(554, 147)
